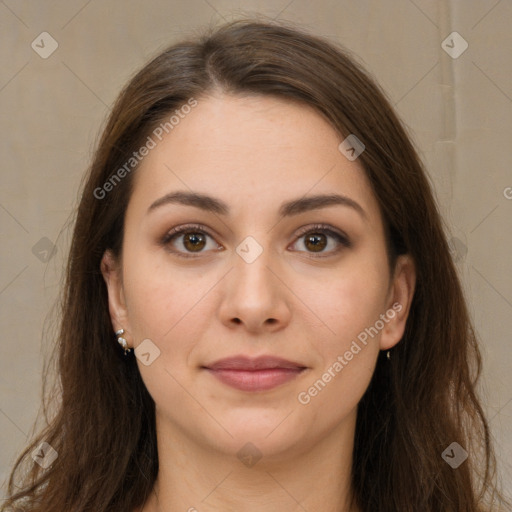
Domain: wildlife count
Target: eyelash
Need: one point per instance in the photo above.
(317, 228)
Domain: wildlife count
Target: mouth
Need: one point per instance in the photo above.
(255, 374)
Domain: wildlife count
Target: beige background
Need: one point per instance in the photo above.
(459, 111)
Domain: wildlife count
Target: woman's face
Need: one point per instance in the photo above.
(270, 264)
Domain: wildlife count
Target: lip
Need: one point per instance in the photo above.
(254, 363)
(255, 374)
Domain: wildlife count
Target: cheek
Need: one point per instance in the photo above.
(347, 357)
(352, 303)
(352, 299)
(161, 302)
(166, 308)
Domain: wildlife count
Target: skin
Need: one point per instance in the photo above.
(254, 153)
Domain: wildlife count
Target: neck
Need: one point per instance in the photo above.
(200, 479)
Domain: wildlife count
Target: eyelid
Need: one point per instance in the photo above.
(322, 228)
(341, 238)
(181, 230)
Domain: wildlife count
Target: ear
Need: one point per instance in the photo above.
(111, 270)
(399, 301)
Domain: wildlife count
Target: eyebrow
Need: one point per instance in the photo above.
(287, 209)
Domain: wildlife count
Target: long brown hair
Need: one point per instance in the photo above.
(417, 404)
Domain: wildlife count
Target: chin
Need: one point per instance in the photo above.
(273, 436)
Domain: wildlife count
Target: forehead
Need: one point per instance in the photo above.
(251, 151)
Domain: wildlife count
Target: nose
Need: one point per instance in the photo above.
(254, 298)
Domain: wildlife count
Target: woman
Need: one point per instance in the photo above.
(261, 312)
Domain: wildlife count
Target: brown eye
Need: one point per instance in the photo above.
(194, 241)
(323, 240)
(187, 241)
(316, 242)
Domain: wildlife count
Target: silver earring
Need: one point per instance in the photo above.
(388, 354)
(122, 341)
